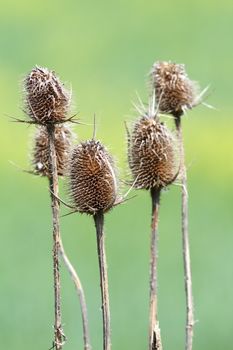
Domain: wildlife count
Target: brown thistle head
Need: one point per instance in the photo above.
(46, 99)
(175, 92)
(152, 154)
(93, 184)
(63, 141)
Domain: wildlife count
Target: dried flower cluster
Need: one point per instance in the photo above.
(46, 99)
(152, 154)
(175, 92)
(47, 104)
(93, 184)
(62, 142)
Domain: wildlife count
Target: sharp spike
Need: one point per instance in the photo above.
(94, 127)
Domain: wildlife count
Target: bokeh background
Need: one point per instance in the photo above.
(105, 50)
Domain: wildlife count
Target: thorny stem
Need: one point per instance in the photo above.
(53, 183)
(155, 342)
(81, 295)
(99, 223)
(185, 242)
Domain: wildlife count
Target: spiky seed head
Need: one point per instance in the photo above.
(46, 99)
(175, 92)
(93, 185)
(63, 142)
(152, 154)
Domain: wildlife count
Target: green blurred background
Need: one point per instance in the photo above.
(105, 49)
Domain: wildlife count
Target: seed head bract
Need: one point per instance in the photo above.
(174, 91)
(46, 99)
(63, 137)
(152, 154)
(93, 184)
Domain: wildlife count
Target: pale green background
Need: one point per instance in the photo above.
(105, 49)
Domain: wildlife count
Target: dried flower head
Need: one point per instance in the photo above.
(175, 92)
(93, 184)
(152, 154)
(63, 141)
(46, 99)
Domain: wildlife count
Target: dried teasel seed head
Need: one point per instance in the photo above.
(93, 184)
(63, 137)
(152, 154)
(175, 92)
(46, 99)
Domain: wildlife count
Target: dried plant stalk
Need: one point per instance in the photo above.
(154, 330)
(185, 243)
(81, 295)
(99, 223)
(53, 183)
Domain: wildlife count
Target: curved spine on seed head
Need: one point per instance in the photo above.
(93, 184)
(46, 99)
(175, 92)
(63, 138)
(152, 152)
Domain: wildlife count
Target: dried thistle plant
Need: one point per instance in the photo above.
(152, 154)
(93, 189)
(63, 143)
(46, 99)
(92, 178)
(47, 104)
(176, 93)
(154, 164)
